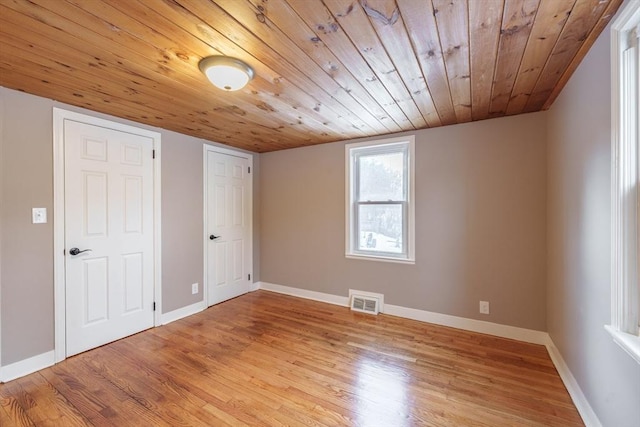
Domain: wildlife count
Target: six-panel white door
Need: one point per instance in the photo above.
(228, 215)
(108, 212)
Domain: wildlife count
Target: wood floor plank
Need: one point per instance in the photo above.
(274, 360)
(97, 398)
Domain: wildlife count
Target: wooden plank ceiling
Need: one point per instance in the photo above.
(326, 70)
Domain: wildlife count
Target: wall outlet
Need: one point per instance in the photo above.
(194, 289)
(484, 307)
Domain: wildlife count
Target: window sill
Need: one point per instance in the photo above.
(628, 342)
(380, 258)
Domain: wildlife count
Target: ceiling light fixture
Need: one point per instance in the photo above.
(226, 72)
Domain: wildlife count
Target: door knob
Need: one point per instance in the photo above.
(76, 251)
(213, 237)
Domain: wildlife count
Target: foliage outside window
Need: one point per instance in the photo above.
(380, 199)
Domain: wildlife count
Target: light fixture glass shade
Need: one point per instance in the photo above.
(225, 72)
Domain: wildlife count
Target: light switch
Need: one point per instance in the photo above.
(39, 215)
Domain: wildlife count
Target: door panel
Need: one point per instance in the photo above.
(95, 285)
(228, 217)
(237, 258)
(133, 209)
(95, 195)
(132, 281)
(109, 210)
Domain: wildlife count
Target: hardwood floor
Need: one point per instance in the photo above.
(269, 359)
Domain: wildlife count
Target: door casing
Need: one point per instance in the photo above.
(205, 235)
(59, 117)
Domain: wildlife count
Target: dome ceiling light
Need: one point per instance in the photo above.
(226, 72)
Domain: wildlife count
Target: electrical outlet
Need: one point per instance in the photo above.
(484, 307)
(194, 288)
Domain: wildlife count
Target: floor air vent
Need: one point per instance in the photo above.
(364, 304)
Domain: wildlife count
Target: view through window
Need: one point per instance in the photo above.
(380, 205)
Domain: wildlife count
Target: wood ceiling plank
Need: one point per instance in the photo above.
(517, 21)
(196, 126)
(584, 17)
(63, 25)
(78, 51)
(352, 19)
(325, 27)
(421, 25)
(327, 70)
(96, 30)
(21, 80)
(550, 20)
(274, 40)
(249, 112)
(387, 21)
(131, 90)
(181, 110)
(325, 103)
(452, 20)
(277, 95)
(16, 73)
(601, 24)
(262, 96)
(37, 61)
(485, 21)
(122, 51)
(291, 25)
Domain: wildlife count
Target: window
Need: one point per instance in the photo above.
(625, 280)
(380, 189)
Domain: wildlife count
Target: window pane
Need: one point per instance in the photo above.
(381, 177)
(380, 228)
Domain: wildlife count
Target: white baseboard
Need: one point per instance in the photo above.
(254, 286)
(303, 293)
(26, 366)
(174, 315)
(504, 331)
(480, 326)
(579, 399)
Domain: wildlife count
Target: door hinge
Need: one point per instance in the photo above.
(249, 168)
(153, 154)
(154, 306)
(249, 276)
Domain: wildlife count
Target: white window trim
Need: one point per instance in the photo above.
(625, 169)
(349, 252)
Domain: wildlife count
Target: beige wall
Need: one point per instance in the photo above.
(480, 223)
(27, 249)
(26, 265)
(182, 220)
(579, 230)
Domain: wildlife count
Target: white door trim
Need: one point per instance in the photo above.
(205, 239)
(1, 160)
(59, 116)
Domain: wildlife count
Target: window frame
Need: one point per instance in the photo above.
(625, 154)
(353, 152)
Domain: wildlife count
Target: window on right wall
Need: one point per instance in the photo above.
(625, 244)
